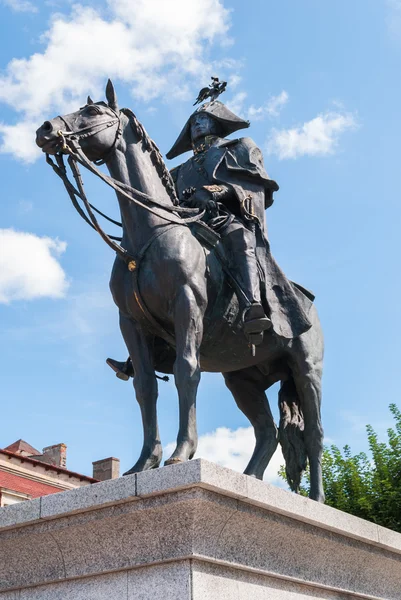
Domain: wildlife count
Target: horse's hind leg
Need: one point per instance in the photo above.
(248, 388)
(307, 378)
(145, 383)
(188, 336)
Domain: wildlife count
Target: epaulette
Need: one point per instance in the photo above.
(174, 173)
(230, 142)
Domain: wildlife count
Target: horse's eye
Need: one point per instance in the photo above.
(92, 110)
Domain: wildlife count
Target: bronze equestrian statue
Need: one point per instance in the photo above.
(228, 179)
(193, 274)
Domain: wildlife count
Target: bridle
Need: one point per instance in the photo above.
(70, 145)
(86, 132)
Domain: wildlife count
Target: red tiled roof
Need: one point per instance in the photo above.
(48, 466)
(20, 446)
(26, 486)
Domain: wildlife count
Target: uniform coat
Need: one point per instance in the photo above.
(238, 165)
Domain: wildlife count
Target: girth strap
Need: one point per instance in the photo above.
(143, 315)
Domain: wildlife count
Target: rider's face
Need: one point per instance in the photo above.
(202, 125)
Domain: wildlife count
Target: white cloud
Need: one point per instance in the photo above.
(394, 17)
(236, 104)
(271, 108)
(20, 5)
(153, 47)
(19, 140)
(234, 80)
(318, 137)
(29, 268)
(233, 449)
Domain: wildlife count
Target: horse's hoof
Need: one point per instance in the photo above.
(172, 461)
(318, 498)
(130, 472)
(138, 470)
(146, 464)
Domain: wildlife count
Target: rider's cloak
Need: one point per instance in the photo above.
(238, 164)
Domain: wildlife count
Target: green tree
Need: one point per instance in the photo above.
(366, 486)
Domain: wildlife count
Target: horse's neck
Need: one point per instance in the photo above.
(132, 165)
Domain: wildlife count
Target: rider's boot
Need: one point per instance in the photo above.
(123, 370)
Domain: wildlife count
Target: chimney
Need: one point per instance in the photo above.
(108, 468)
(56, 455)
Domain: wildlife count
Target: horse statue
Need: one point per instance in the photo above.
(177, 312)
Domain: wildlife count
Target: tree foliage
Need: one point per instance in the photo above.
(366, 486)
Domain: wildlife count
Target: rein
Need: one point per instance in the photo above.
(70, 145)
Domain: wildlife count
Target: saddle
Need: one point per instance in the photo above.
(210, 239)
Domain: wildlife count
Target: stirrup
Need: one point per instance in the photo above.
(255, 320)
(256, 326)
(255, 339)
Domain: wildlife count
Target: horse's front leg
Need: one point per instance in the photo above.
(140, 347)
(189, 310)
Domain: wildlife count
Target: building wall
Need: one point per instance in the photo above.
(39, 472)
(23, 478)
(9, 497)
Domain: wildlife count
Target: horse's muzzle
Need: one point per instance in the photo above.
(47, 138)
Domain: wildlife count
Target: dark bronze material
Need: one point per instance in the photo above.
(179, 311)
(213, 91)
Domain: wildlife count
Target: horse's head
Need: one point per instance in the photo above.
(95, 127)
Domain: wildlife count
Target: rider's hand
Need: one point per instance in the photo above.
(212, 209)
(199, 199)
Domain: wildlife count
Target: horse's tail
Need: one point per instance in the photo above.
(291, 433)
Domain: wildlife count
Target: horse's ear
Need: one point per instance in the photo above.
(111, 96)
(89, 100)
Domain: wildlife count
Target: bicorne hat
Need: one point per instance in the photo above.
(229, 122)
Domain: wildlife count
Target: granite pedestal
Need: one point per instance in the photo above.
(193, 531)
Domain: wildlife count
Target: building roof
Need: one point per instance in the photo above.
(48, 466)
(22, 447)
(35, 489)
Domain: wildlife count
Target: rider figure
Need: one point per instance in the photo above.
(227, 177)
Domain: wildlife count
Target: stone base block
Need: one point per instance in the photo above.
(193, 531)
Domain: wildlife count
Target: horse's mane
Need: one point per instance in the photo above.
(155, 154)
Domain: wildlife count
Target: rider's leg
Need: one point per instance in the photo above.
(240, 243)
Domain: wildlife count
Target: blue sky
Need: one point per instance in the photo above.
(320, 83)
